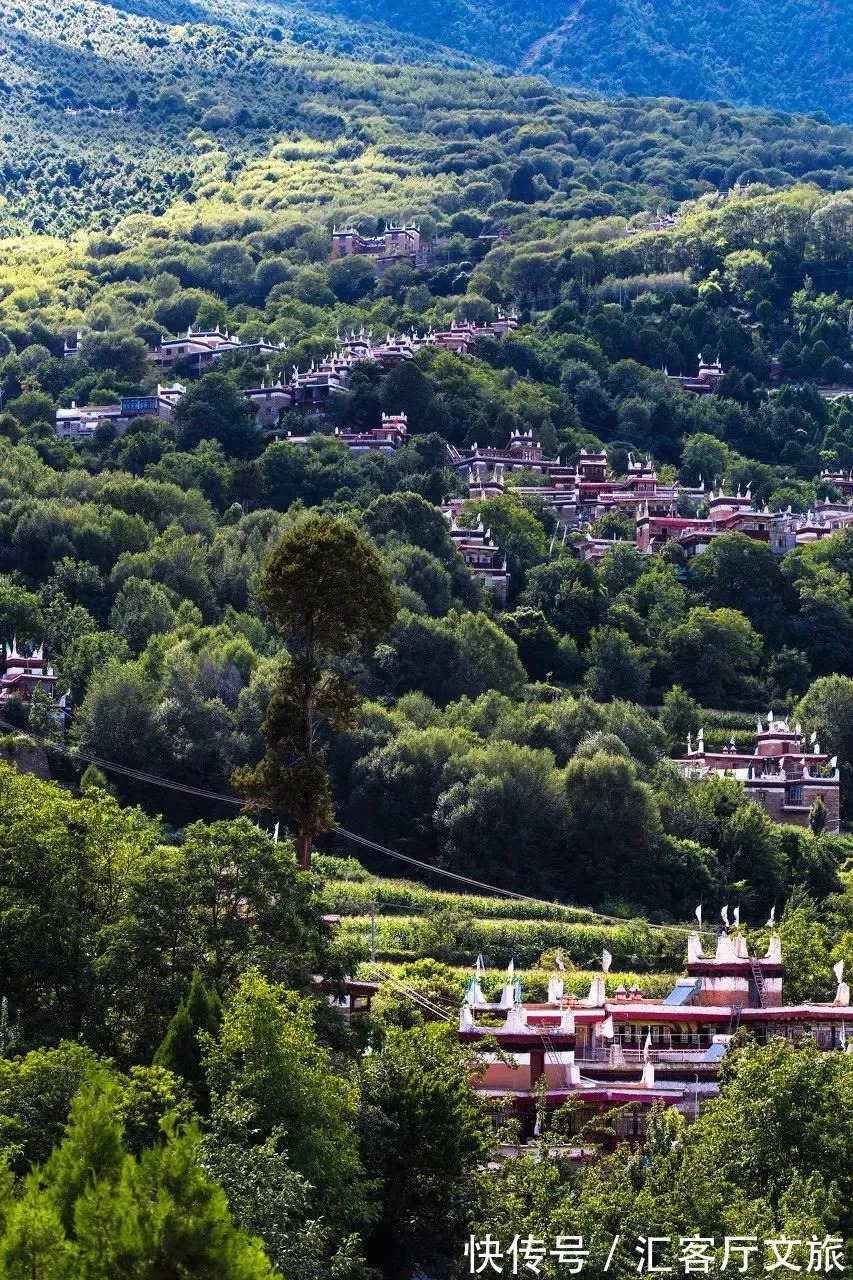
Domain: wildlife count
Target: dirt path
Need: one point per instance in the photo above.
(555, 39)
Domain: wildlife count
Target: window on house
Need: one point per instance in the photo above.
(794, 794)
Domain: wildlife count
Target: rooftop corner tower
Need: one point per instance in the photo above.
(732, 976)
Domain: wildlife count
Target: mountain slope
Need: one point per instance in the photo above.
(795, 55)
(791, 55)
(104, 113)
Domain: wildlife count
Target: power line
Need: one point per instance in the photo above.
(125, 770)
(503, 893)
(423, 1001)
(441, 871)
(220, 798)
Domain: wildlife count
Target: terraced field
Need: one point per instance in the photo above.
(411, 922)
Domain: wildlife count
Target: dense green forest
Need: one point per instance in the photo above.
(206, 109)
(788, 55)
(233, 612)
(135, 556)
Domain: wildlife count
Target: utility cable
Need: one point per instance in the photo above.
(156, 780)
(423, 1001)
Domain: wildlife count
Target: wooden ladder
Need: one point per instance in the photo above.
(758, 979)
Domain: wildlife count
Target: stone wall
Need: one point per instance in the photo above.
(23, 756)
(772, 798)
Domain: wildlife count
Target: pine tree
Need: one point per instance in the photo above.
(94, 779)
(189, 1226)
(95, 1210)
(180, 1051)
(818, 817)
(325, 587)
(92, 1150)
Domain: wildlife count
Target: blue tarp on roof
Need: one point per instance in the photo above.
(682, 993)
(714, 1052)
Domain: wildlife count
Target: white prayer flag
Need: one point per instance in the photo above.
(511, 968)
(606, 960)
(737, 916)
(772, 919)
(479, 965)
(559, 961)
(725, 916)
(275, 833)
(647, 1047)
(607, 1029)
(838, 970)
(699, 914)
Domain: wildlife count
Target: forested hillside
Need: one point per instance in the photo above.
(207, 606)
(201, 108)
(792, 55)
(135, 555)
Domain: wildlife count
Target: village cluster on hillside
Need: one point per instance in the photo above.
(309, 390)
(633, 1051)
(577, 495)
(420, 469)
(783, 774)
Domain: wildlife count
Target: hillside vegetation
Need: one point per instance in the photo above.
(791, 56)
(201, 107)
(135, 555)
(234, 606)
